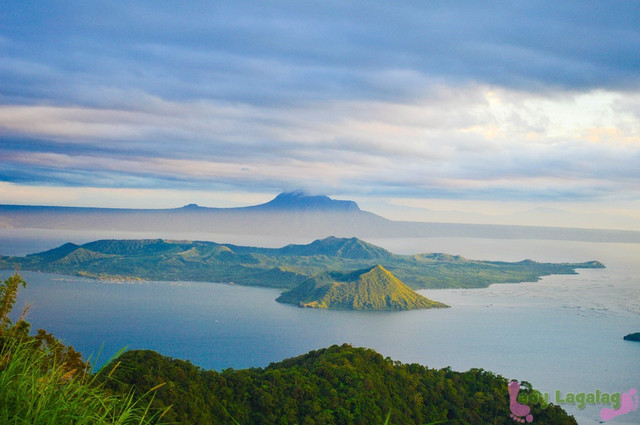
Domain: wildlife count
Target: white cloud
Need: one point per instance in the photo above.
(480, 141)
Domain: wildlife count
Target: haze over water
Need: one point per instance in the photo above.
(562, 333)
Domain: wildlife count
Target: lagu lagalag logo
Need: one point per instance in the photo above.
(612, 404)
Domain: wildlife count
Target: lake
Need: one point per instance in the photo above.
(562, 333)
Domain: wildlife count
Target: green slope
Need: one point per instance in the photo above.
(284, 268)
(373, 288)
(335, 385)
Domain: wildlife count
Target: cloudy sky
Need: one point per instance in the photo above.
(501, 111)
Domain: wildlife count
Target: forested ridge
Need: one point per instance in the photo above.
(335, 385)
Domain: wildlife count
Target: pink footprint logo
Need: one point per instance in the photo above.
(519, 412)
(628, 402)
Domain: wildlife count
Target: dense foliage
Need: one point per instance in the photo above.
(336, 385)
(284, 268)
(374, 288)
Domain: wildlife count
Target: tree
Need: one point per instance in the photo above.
(8, 294)
(51, 347)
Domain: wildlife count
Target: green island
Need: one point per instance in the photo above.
(374, 288)
(321, 268)
(283, 268)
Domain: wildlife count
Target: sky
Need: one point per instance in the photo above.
(514, 112)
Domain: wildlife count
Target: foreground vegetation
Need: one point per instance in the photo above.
(43, 382)
(336, 385)
(283, 268)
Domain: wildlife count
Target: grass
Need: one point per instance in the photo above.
(38, 391)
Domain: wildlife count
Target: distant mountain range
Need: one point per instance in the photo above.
(288, 214)
(373, 288)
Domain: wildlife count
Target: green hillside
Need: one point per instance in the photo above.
(283, 268)
(335, 385)
(373, 288)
